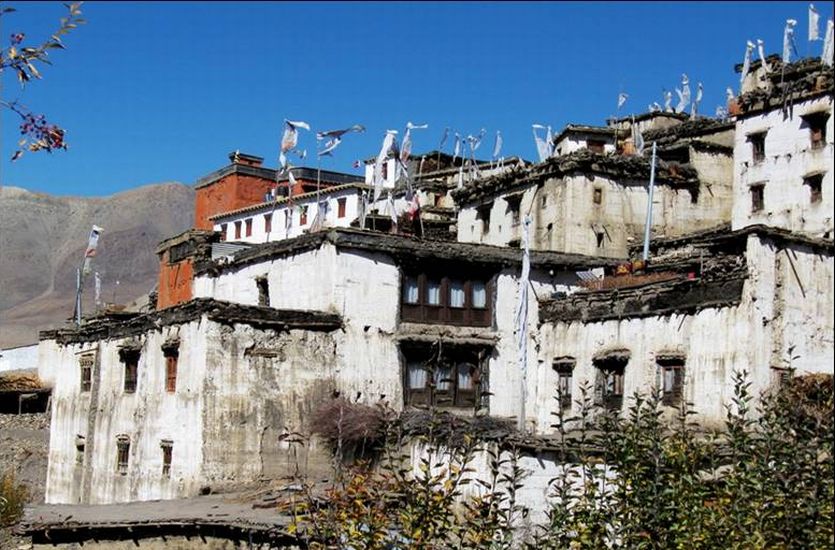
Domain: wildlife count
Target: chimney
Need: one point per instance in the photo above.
(236, 157)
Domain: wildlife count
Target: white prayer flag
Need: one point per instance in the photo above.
(331, 144)
(683, 94)
(97, 278)
(340, 133)
(443, 139)
(828, 45)
(457, 150)
(814, 24)
(522, 309)
(497, 147)
(406, 147)
(788, 40)
(637, 137)
(290, 139)
(541, 145)
(746, 64)
(654, 107)
(388, 147)
(622, 97)
(729, 94)
(668, 101)
(92, 245)
(761, 51)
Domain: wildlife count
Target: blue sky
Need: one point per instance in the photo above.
(153, 92)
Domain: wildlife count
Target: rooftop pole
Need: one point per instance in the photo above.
(649, 205)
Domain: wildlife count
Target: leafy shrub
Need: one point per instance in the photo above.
(13, 497)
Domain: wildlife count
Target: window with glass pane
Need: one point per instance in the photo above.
(443, 378)
(433, 292)
(456, 293)
(410, 290)
(479, 290)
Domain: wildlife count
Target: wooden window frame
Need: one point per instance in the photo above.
(223, 229)
(341, 207)
(268, 223)
(443, 313)
(817, 128)
(597, 195)
(757, 191)
(303, 216)
(130, 360)
(672, 397)
(122, 455)
(483, 214)
(167, 448)
(757, 141)
(248, 227)
(564, 367)
(172, 358)
(611, 370)
(85, 363)
(453, 358)
(596, 146)
(237, 230)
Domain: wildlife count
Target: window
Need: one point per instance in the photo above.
(611, 367)
(263, 286)
(564, 367)
(86, 364)
(596, 146)
(410, 290)
(514, 207)
(223, 232)
(79, 449)
(237, 230)
(340, 207)
(268, 223)
(130, 358)
(172, 356)
(249, 227)
(781, 376)
(448, 379)
(817, 129)
(434, 298)
(757, 146)
(303, 216)
(122, 454)
(672, 380)
(597, 195)
(167, 447)
(757, 197)
(543, 202)
(815, 184)
(483, 214)
(600, 236)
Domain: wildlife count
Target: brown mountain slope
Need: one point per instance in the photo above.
(42, 241)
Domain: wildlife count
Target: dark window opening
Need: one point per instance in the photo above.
(340, 207)
(223, 232)
(122, 454)
(303, 216)
(543, 201)
(130, 358)
(817, 129)
(483, 214)
(815, 184)
(180, 252)
(434, 298)
(611, 369)
(79, 450)
(757, 146)
(268, 223)
(237, 230)
(596, 146)
(514, 204)
(781, 376)
(672, 380)
(757, 197)
(448, 378)
(172, 356)
(86, 364)
(600, 236)
(249, 227)
(564, 367)
(167, 453)
(263, 285)
(597, 195)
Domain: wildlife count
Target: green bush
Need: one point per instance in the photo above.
(635, 481)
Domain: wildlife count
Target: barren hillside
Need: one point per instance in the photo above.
(42, 241)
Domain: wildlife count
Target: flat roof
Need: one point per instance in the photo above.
(267, 205)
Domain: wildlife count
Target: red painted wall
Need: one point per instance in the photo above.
(174, 282)
(229, 193)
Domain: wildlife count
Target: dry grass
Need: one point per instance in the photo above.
(13, 497)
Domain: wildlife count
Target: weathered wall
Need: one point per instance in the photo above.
(577, 140)
(19, 358)
(772, 318)
(565, 217)
(789, 157)
(168, 542)
(174, 281)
